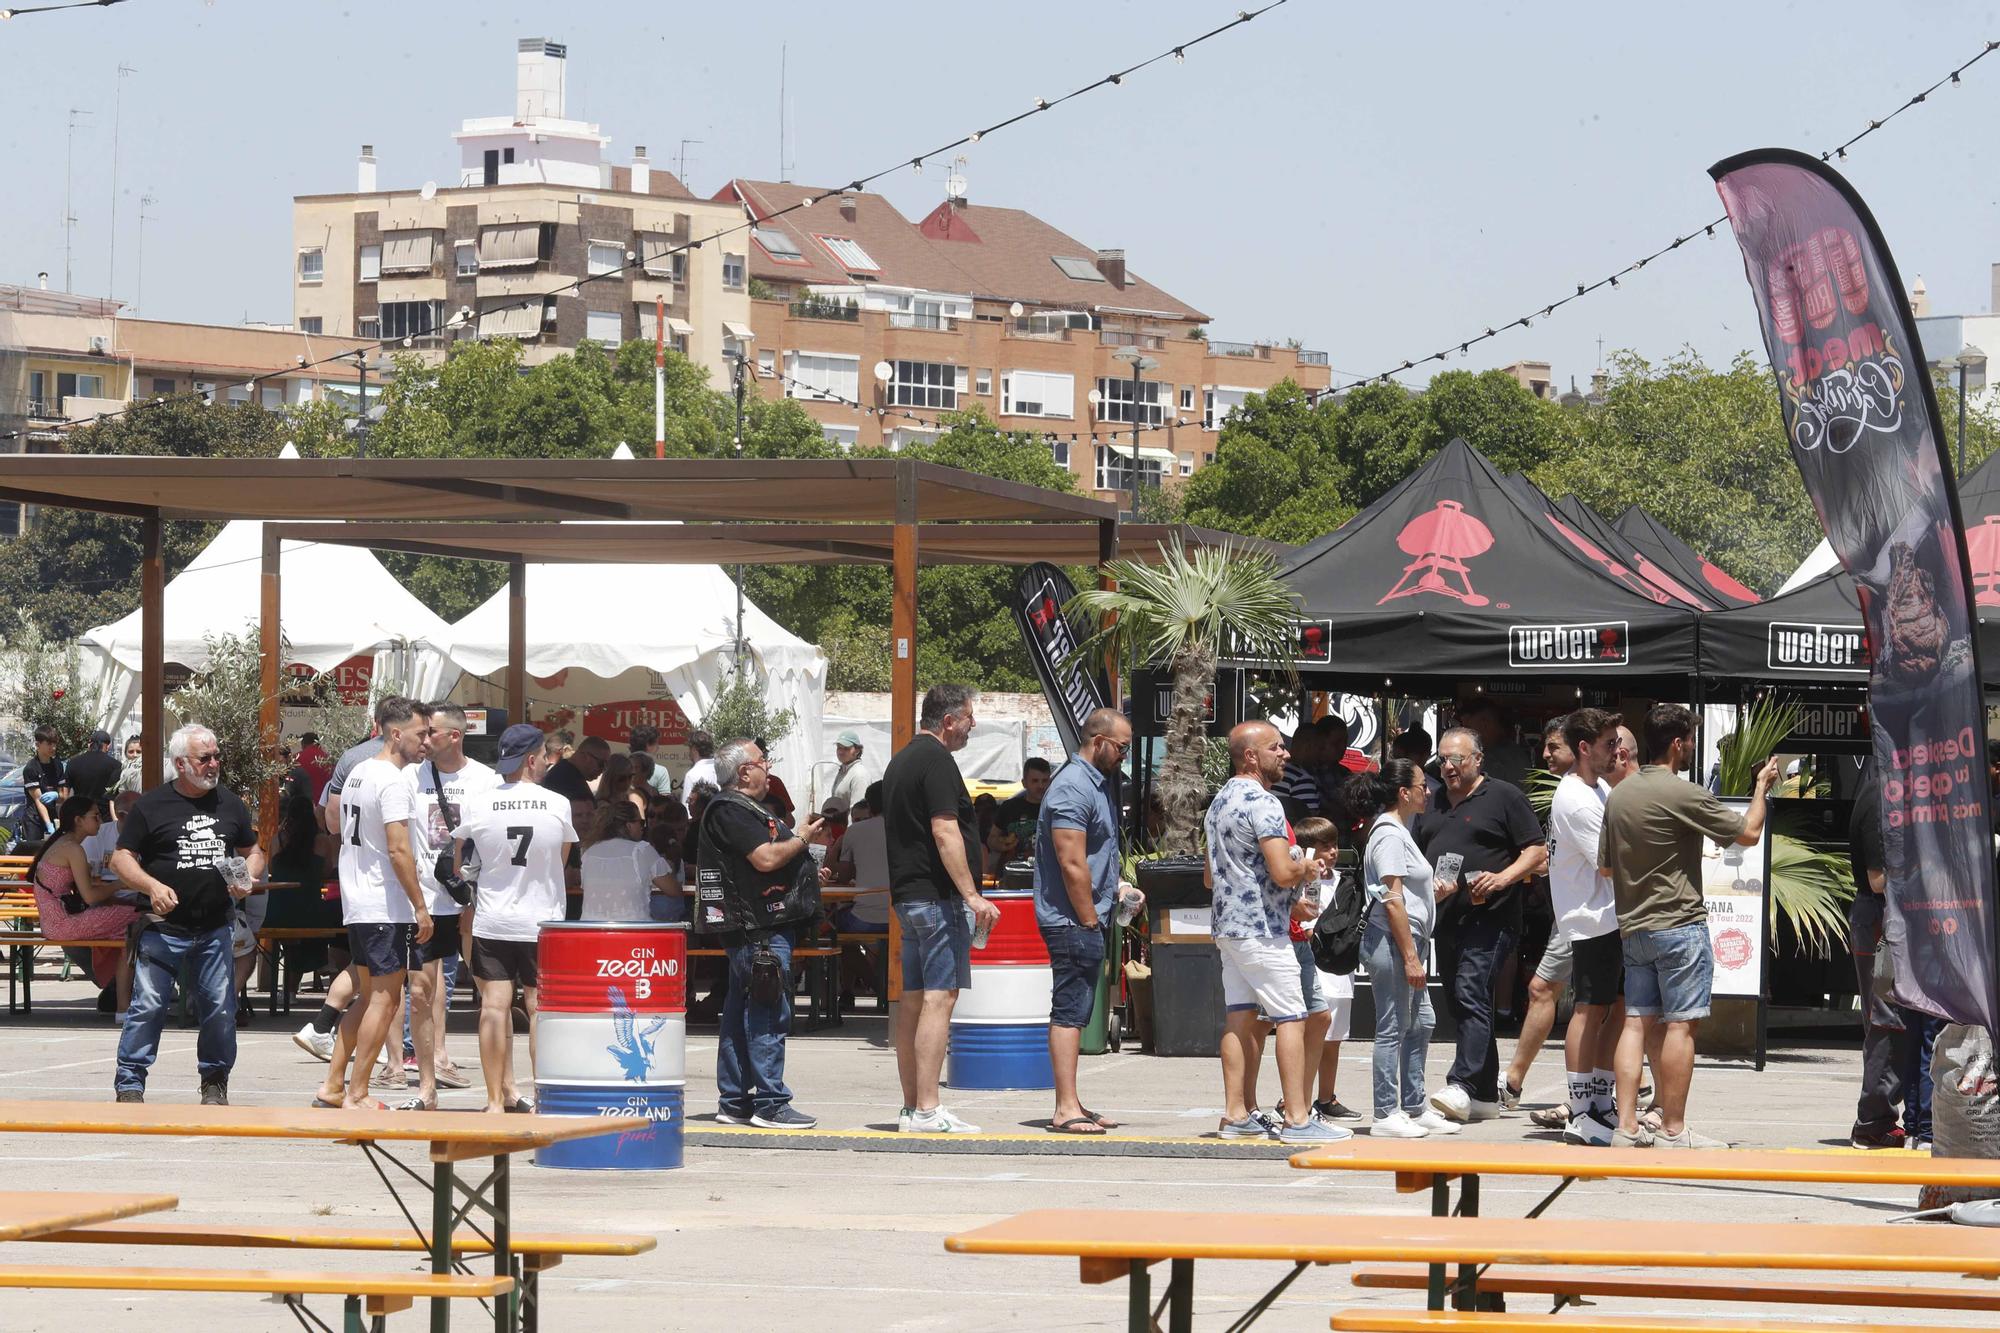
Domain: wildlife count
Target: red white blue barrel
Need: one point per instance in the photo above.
(1000, 1025)
(611, 1039)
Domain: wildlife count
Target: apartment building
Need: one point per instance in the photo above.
(67, 359)
(990, 306)
(534, 206)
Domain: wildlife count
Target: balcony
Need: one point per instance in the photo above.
(1151, 342)
(1307, 358)
(44, 409)
(1034, 330)
(1245, 351)
(819, 307)
(922, 319)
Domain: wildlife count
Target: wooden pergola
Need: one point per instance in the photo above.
(895, 512)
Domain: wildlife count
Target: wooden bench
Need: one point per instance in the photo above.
(815, 957)
(21, 946)
(281, 994)
(1567, 1288)
(378, 1294)
(1466, 1321)
(1109, 1243)
(537, 1252)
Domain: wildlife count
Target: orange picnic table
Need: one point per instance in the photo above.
(25, 1215)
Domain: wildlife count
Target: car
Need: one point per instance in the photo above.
(13, 804)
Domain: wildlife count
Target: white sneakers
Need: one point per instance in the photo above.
(1433, 1123)
(1397, 1126)
(937, 1120)
(1454, 1103)
(1589, 1130)
(318, 1045)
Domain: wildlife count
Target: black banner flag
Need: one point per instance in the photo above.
(1039, 596)
(1863, 424)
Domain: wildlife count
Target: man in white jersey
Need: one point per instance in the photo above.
(1587, 916)
(381, 899)
(441, 781)
(522, 834)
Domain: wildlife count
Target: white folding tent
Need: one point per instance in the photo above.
(602, 634)
(335, 603)
(1821, 561)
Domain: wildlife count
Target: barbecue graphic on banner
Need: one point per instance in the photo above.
(1862, 421)
(1039, 596)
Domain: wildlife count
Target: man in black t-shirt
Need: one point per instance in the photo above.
(95, 772)
(572, 777)
(45, 783)
(175, 847)
(932, 844)
(1013, 833)
(1483, 845)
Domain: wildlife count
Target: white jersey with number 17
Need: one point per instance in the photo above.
(375, 796)
(521, 832)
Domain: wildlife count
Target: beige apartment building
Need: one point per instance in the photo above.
(534, 207)
(975, 305)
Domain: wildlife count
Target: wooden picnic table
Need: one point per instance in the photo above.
(453, 1137)
(1420, 1164)
(27, 1214)
(1110, 1243)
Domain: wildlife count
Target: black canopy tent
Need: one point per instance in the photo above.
(1651, 538)
(1582, 527)
(1598, 529)
(1452, 576)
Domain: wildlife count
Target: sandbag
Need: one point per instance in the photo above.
(1965, 1108)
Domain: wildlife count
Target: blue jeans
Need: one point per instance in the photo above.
(750, 1054)
(162, 954)
(937, 944)
(1917, 1049)
(1403, 1022)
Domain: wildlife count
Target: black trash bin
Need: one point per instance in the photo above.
(1187, 971)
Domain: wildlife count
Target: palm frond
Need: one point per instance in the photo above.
(1223, 598)
(1810, 888)
(1761, 728)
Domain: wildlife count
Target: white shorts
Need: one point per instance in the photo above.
(1262, 973)
(1339, 993)
(245, 920)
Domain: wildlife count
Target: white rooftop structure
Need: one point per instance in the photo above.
(537, 144)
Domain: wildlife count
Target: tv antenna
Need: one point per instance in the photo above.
(69, 210)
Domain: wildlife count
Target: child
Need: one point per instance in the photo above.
(1329, 999)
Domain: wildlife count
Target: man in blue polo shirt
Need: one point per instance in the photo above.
(1076, 891)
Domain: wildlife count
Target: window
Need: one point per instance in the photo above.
(73, 386)
(1187, 398)
(510, 245)
(982, 383)
(849, 252)
(605, 257)
(1217, 402)
(409, 319)
(311, 324)
(312, 265)
(408, 252)
(816, 375)
(1116, 401)
(162, 387)
(1059, 450)
(655, 259)
(679, 271)
(844, 436)
(270, 397)
(239, 393)
(767, 364)
(466, 255)
(1037, 393)
(1187, 465)
(368, 326)
(924, 384)
(205, 390)
(604, 326)
(1114, 467)
(371, 262)
(779, 245)
(732, 271)
(1082, 270)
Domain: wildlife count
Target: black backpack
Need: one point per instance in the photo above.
(1336, 936)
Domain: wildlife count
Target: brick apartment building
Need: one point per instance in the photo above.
(994, 307)
(534, 207)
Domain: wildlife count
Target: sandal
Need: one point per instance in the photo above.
(414, 1104)
(520, 1106)
(1083, 1125)
(322, 1104)
(1101, 1121)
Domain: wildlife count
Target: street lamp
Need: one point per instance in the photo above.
(739, 356)
(1140, 363)
(1968, 360)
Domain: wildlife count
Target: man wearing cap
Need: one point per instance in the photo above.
(522, 833)
(95, 772)
(851, 783)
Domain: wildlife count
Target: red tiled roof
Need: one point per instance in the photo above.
(1011, 254)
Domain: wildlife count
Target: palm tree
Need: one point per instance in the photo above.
(1182, 613)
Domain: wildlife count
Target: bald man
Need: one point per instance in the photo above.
(1254, 874)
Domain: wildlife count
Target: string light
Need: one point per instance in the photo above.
(24, 10)
(1583, 289)
(855, 186)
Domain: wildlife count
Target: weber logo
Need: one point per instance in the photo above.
(1804, 647)
(1604, 643)
(1831, 729)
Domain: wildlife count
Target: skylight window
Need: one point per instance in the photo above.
(1082, 270)
(778, 244)
(849, 252)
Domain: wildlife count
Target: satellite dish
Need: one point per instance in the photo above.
(883, 370)
(954, 186)
(430, 190)
(1015, 309)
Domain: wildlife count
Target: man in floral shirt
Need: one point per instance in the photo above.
(1254, 874)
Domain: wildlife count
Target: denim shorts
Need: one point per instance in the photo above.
(937, 944)
(1076, 956)
(1669, 973)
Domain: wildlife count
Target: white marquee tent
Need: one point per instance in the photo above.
(1821, 561)
(335, 603)
(605, 634)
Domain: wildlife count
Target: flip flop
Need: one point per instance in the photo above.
(520, 1106)
(322, 1104)
(1101, 1121)
(415, 1104)
(1069, 1126)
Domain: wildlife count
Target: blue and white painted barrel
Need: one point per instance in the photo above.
(654, 1148)
(1000, 1025)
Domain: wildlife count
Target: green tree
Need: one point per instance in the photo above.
(1277, 472)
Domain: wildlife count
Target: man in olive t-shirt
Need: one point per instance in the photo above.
(1654, 824)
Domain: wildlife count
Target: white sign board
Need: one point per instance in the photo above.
(1190, 920)
(1734, 884)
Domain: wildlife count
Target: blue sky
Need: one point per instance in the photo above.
(1378, 181)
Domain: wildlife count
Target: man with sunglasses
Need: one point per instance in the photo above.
(1076, 891)
(172, 847)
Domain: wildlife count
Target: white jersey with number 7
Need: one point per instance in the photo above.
(522, 833)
